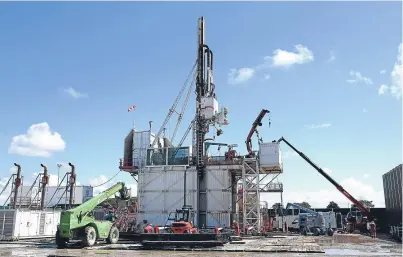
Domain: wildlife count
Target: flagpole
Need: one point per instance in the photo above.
(133, 122)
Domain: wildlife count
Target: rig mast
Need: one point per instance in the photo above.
(206, 114)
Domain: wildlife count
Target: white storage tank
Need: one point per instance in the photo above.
(27, 224)
(270, 160)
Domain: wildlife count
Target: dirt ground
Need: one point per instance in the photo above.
(338, 245)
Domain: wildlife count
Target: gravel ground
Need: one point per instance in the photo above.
(338, 245)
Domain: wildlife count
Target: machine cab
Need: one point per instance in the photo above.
(182, 220)
(186, 214)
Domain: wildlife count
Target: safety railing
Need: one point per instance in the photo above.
(223, 160)
(272, 187)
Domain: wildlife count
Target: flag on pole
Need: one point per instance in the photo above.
(131, 108)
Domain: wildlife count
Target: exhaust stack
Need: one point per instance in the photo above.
(45, 181)
(17, 184)
(72, 182)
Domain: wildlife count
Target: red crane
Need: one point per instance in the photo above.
(364, 210)
(256, 123)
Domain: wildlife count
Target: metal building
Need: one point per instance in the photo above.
(392, 188)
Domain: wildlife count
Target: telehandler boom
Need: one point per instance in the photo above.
(79, 223)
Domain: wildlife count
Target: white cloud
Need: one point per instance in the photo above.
(357, 77)
(288, 154)
(102, 179)
(6, 193)
(332, 57)
(382, 89)
(280, 58)
(38, 141)
(366, 175)
(328, 171)
(382, 72)
(318, 126)
(321, 198)
(364, 110)
(283, 58)
(74, 93)
(238, 76)
(395, 86)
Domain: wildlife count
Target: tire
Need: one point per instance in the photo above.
(90, 236)
(113, 236)
(60, 242)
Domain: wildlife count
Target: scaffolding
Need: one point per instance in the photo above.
(250, 194)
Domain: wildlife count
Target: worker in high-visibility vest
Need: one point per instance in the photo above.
(235, 226)
(156, 229)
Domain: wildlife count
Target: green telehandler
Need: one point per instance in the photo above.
(79, 224)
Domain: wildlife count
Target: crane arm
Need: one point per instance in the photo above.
(257, 122)
(81, 211)
(360, 206)
(173, 107)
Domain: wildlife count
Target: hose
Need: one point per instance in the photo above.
(108, 180)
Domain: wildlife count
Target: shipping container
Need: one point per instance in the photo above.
(270, 160)
(25, 224)
(392, 187)
(53, 196)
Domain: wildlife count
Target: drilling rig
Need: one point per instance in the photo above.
(207, 114)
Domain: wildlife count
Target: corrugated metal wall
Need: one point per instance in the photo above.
(161, 192)
(392, 187)
(218, 196)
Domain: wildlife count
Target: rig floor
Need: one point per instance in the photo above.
(338, 245)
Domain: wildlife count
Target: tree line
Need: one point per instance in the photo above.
(331, 205)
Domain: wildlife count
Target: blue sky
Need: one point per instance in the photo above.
(119, 54)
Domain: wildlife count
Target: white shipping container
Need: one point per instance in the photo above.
(25, 224)
(270, 159)
(81, 195)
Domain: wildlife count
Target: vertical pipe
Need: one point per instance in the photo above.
(44, 183)
(234, 198)
(282, 213)
(72, 182)
(184, 188)
(17, 184)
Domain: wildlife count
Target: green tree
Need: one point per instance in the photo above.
(304, 204)
(332, 205)
(366, 203)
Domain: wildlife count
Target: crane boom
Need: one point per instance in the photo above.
(256, 123)
(173, 107)
(359, 205)
(78, 216)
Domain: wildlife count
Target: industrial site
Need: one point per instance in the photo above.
(189, 200)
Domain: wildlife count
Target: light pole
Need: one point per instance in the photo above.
(58, 173)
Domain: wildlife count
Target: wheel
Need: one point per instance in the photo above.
(90, 236)
(113, 235)
(60, 242)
